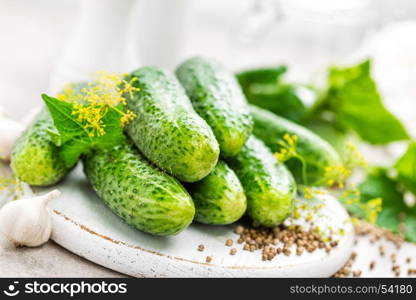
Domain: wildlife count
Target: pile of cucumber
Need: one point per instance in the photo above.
(196, 151)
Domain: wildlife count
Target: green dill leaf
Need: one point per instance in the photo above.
(379, 184)
(353, 97)
(410, 228)
(406, 168)
(75, 140)
(394, 210)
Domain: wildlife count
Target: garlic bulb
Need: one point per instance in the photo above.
(10, 130)
(26, 222)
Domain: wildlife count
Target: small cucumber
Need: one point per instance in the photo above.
(35, 157)
(268, 184)
(217, 97)
(142, 195)
(219, 198)
(317, 153)
(167, 130)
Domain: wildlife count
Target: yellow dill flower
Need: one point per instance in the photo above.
(91, 104)
(13, 184)
(127, 117)
(288, 148)
(128, 87)
(375, 207)
(353, 158)
(307, 193)
(296, 214)
(319, 192)
(336, 176)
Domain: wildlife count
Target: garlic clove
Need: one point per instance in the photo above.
(26, 222)
(10, 130)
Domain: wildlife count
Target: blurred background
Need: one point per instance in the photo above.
(45, 43)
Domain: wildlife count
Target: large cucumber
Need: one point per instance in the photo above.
(35, 157)
(167, 130)
(268, 184)
(217, 97)
(317, 153)
(142, 195)
(219, 198)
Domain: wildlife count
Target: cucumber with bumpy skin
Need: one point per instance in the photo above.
(217, 97)
(35, 157)
(167, 130)
(219, 198)
(142, 195)
(317, 153)
(268, 184)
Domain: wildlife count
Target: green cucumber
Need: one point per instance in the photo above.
(217, 97)
(219, 198)
(268, 184)
(317, 153)
(145, 197)
(266, 88)
(35, 157)
(167, 130)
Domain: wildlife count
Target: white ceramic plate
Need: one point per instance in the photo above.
(85, 226)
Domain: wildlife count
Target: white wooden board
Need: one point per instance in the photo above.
(85, 226)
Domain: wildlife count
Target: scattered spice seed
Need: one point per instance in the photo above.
(208, 259)
(233, 251)
(408, 260)
(201, 248)
(372, 265)
(345, 271)
(229, 242)
(277, 240)
(239, 229)
(356, 273)
(381, 250)
(362, 229)
(411, 272)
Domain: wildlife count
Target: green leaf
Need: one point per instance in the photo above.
(353, 96)
(406, 168)
(394, 211)
(379, 185)
(74, 138)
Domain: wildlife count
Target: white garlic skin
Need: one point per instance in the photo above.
(26, 222)
(10, 130)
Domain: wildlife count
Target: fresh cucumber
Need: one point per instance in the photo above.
(217, 97)
(35, 157)
(266, 88)
(317, 153)
(167, 130)
(142, 195)
(219, 198)
(268, 184)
